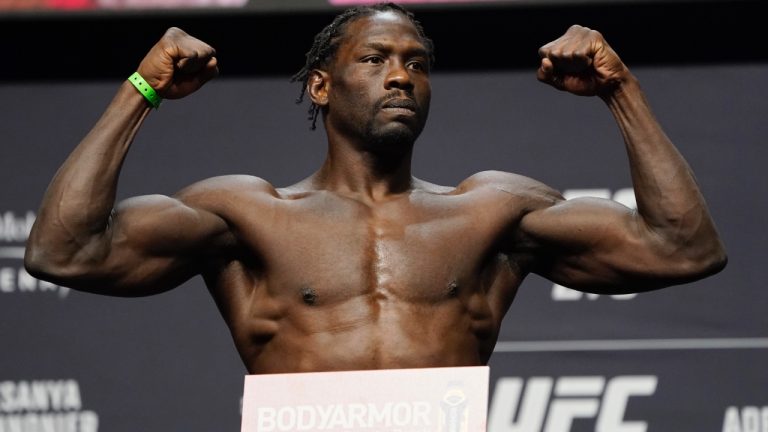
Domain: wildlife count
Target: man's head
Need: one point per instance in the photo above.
(326, 45)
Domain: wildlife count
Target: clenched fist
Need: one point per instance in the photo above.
(178, 64)
(581, 62)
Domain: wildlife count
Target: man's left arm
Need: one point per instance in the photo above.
(600, 246)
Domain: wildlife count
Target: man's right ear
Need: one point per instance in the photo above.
(318, 85)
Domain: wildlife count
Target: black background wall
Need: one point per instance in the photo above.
(689, 358)
(83, 46)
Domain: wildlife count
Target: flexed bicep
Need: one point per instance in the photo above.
(598, 245)
(601, 246)
(150, 244)
(156, 243)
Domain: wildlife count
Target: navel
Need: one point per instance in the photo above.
(308, 295)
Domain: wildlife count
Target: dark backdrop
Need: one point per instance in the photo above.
(689, 358)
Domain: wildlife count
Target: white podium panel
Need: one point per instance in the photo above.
(397, 400)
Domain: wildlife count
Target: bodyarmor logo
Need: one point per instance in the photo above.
(538, 408)
(624, 196)
(454, 416)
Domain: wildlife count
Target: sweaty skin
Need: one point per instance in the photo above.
(361, 265)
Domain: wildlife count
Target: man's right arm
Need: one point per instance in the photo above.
(143, 245)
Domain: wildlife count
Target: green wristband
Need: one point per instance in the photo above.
(145, 89)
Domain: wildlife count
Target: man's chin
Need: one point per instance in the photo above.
(394, 137)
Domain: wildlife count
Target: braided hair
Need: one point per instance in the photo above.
(328, 40)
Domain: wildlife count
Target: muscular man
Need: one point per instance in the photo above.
(361, 265)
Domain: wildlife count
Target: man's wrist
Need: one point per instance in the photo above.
(149, 93)
(626, 86)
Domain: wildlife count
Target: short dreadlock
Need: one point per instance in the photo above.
(328, 40)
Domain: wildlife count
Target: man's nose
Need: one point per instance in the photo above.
(398, 77)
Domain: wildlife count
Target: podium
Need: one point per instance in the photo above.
(453, 399)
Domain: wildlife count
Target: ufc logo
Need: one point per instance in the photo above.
(539, 408)
(624, 196)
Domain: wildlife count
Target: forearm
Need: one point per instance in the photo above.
(669, 202)
(77, 205)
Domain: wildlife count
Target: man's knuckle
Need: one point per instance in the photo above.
(580, 53)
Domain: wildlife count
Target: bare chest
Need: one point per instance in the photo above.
(405, 283)
(328, 250)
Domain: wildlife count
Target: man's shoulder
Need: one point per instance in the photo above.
(224, 187)
(501, 182)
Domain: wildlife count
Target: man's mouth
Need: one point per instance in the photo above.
(400, 104)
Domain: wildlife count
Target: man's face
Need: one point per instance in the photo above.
(379, 82)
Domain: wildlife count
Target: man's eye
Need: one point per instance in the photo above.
(373, 59)
(417, 66)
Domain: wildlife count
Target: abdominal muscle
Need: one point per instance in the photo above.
(369, 333)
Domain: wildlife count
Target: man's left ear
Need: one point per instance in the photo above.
(317, 87)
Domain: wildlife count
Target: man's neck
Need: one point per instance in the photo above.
(366, 175)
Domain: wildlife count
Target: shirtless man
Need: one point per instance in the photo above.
(361, 265)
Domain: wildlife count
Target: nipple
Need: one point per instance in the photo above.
(453, 288)
(308, 295)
